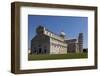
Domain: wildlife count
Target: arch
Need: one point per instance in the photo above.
(40, 50)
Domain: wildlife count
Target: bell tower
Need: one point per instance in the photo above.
(80, 41)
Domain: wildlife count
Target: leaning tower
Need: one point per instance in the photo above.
(80, 41)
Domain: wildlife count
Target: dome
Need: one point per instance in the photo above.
(62, 33)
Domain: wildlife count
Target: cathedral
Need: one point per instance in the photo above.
(47, 42)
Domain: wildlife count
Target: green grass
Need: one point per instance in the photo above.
(57, 56)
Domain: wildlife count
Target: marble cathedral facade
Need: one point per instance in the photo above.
(47, 42)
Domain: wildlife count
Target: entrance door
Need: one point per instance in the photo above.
(45, 51)
(40, 50)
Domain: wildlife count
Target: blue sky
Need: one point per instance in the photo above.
(71, 25)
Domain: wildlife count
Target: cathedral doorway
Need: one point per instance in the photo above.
(40, 50)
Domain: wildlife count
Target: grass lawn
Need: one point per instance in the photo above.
(57, 56)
